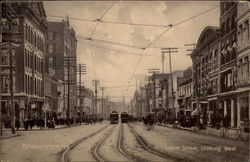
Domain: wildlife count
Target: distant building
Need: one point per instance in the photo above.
(61, 47)
(85, 101)
(184, 93)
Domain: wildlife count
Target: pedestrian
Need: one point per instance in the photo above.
(26, 124)
(17, 123)
(42, 123)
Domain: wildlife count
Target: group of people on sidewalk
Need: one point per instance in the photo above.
(41, 123)
(192, 121)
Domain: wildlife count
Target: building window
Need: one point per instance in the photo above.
(245, 69)
(5, 83)
(5, 60)
(51, 35)
(246, 33)
(50, 50)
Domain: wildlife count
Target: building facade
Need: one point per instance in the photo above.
(243, 67)
(206, 81)
(61, 48)
(184, 93)
(28, 33)
(228, 61)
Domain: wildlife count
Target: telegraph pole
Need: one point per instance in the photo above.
(162, 61)
(81, 69)
(102, 88)
(170, 51)
(69, 60)
(1, 128)
(96, 83)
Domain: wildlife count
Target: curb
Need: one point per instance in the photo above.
(11, 136)
(202, 133)
(46, 128)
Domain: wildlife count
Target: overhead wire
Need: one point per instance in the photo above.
(111, 42)
(93, 32)
(188, 19)
(100, 19)
(71, 18)
(122, 51)
(170, 26)
(126, 45)
(108, 10)
(133, 24)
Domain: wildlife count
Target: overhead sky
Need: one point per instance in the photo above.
(114, 68)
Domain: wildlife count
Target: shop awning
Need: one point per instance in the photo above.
(195, 112)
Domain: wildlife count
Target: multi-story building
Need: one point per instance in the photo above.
(60, 93)
(205, 60)
(28, 32)
(228, 55)
(161, 94)
(85, 101)
(61, 49)
(184, 93)
(243, 60)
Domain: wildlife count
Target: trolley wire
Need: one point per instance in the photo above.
(188, 19)
(110, 42)
(122, 51)
(107, 10)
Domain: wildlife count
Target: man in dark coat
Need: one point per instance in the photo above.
(17, 122)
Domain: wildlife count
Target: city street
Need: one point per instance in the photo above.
(120, 142)
(125, 81)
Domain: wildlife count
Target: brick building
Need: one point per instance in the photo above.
(184, 93)
(228, 60)
(28, 33)
(243, 67)
(61, 49)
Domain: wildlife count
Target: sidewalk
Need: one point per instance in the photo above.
(8, 134)
(232, 133)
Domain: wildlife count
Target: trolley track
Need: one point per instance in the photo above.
(64, 153)
(95, 151)
(148, 148)
(122, 150)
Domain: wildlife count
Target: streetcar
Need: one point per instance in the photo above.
(124, 117)
(114, 117)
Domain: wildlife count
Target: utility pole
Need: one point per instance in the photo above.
(1, 128)
(68, 60)
(170, 51)
(102, 88)
(162, 61)
(95, 83)
(141, 99)
(81, 69)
